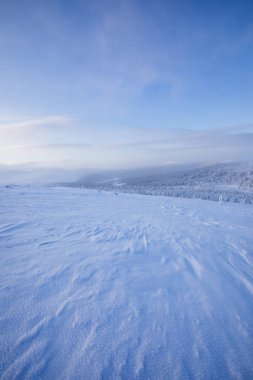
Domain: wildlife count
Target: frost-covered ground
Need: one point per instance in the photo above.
(99, 286)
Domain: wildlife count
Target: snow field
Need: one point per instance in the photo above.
(98, 286)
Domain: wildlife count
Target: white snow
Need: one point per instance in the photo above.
(99, 286)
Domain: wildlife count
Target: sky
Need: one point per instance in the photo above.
(125, 83)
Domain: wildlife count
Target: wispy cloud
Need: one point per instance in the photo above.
(30, 131)
(43, 121)
(96, 148)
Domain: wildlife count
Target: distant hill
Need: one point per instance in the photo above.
(234, 181)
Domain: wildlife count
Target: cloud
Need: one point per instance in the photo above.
(43, 121)
(91, 147)
(124, 54)
(26, 132)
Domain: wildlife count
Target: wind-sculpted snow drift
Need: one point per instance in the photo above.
(98, 286)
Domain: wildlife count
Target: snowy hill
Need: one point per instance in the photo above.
(234, 181)
(99, 286)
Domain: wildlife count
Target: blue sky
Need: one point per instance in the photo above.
(109, 84)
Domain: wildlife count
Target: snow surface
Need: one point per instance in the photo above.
(103, 286)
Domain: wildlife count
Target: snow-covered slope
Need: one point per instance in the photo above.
(99, 286)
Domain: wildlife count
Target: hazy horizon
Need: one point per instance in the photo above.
(34, 173)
